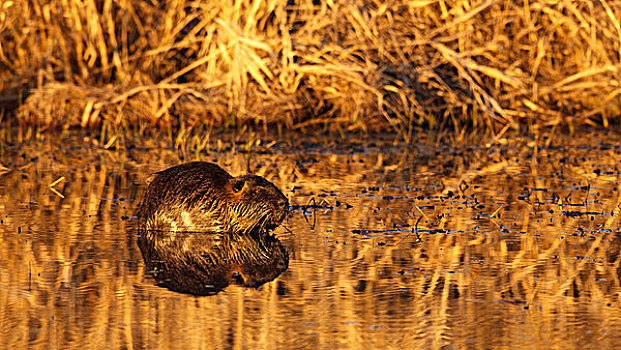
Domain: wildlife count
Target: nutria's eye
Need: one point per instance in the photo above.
(239, 184)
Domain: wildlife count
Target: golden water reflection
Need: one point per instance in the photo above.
(422, 247)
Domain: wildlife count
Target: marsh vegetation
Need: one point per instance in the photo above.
(458, 65)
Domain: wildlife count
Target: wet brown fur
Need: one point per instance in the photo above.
(202, 197)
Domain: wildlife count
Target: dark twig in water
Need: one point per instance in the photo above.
(418, 239)
(312, 199)
(312, 225)
(415, 229)
(287, 229)
(586, 198)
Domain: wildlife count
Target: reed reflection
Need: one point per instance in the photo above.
(203, 263)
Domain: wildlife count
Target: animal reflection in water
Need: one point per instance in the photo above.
(201, 228)
(205, 263)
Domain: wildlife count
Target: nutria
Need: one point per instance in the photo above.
(202, 197)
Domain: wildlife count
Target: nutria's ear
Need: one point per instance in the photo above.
(238, 185)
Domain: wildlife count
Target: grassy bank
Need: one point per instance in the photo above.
(402, 65)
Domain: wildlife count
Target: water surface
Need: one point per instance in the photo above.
(512, 245)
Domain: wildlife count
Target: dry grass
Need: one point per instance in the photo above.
(489, 65)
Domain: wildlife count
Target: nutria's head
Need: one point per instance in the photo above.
(253, 205)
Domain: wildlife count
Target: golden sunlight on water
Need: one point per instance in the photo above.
(509, 246)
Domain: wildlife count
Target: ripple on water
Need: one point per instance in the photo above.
(419, 247)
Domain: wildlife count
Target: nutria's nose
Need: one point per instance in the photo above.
(283, 204)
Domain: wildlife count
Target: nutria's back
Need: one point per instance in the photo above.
(201, 196)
